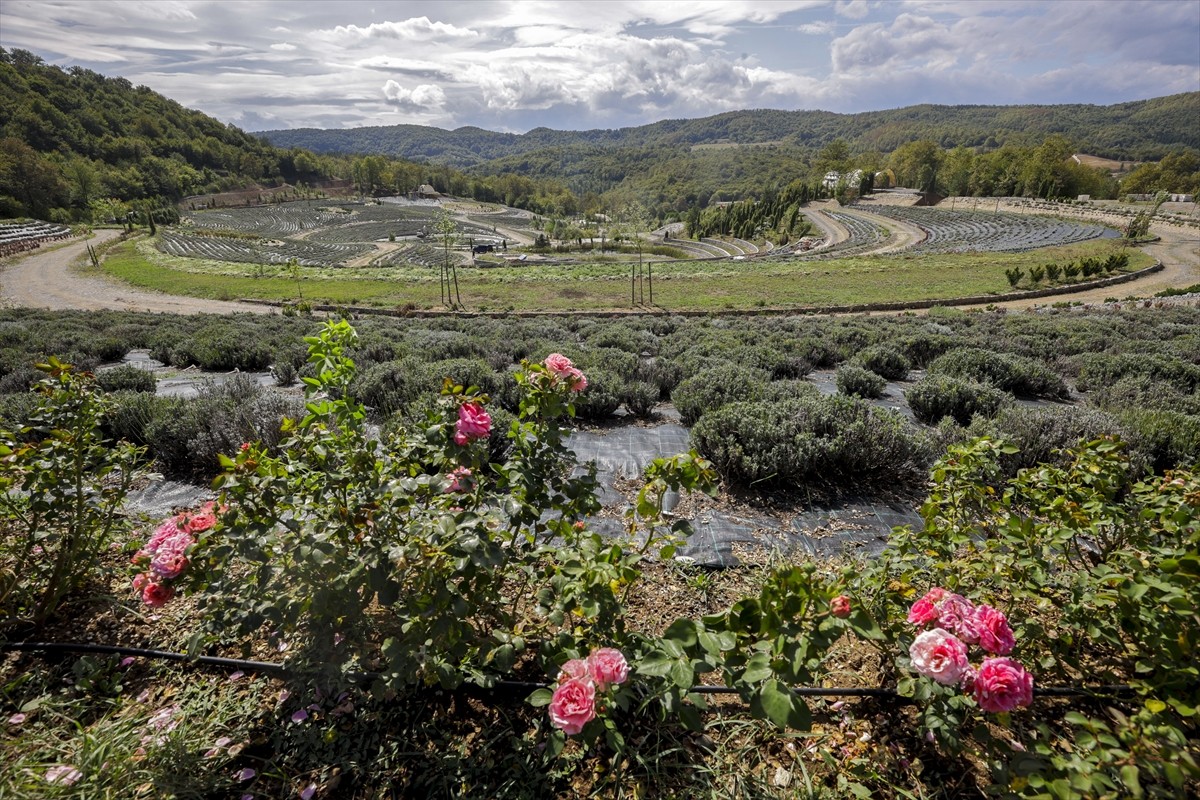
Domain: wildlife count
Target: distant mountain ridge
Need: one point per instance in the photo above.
(1141, 130)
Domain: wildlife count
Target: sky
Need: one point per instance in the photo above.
(583, 64)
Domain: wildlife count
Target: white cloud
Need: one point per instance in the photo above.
(415, 29)
(421, 98)
(816, 28)
(854, 9)
(283, 47)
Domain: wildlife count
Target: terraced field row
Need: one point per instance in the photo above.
(864, 236)
(408, 254)
(308, 254)
(366, 232)
(972, 231)
(16, 237)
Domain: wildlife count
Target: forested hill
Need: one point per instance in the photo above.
(1143, 130)
(68, 136)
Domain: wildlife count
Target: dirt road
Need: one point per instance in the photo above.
(47, 279)
(1179, 252)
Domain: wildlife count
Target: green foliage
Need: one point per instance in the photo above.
(1044, 435)
(1105, 571)
(1019, 375)
(855, 380)
(126, 378)
(187, 744)
(936, 397)
(602, 397)
(61, 488)
(710, 389)
(640, 398)
(824, 440)
(347, 523)
(188, 437)
(884, 361)
(1100, 370)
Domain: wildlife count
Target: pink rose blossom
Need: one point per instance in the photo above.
(169, 564)
(925, 610)
(559, 364)
(608, 667)
(202, 521)
(840, 606)
(577, 381)
(458, 479)
(994, 634)
(957, 614)
(576, 668)
(156, 595)
(573, 705)
(473, 423)
(940, 655)
(1002, 684)
(140, 582)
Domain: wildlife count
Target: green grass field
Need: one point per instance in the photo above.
(601, 286)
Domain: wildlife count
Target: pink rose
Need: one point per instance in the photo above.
(140, 581)
(1002, 684)
(458, 480)
(608, 667)
(166, 530)
(169, 566)
(577, 380)
(473, 423)
(156, 595)
(957, 614)
(840, 606)
(575, 669)
(925, 610)
(573, 705)
(940, 655)
(994, 634)
(202, 521)
(559, 364)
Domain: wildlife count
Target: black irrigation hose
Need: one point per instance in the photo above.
(508, 686)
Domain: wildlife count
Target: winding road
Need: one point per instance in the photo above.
(52, 278)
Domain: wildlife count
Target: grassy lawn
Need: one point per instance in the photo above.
(599, 286)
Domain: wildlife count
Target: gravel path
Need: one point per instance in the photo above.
(49, 278)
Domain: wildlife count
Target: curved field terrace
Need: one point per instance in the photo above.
(953, 231)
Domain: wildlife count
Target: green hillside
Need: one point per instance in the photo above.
(1138, 131)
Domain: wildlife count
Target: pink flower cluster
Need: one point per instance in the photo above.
(562, 369)
(574, 702)
(999, 684)
(459, 480)
(164, 558)
(473, 423)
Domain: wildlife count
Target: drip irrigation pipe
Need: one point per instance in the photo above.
(509, 686)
